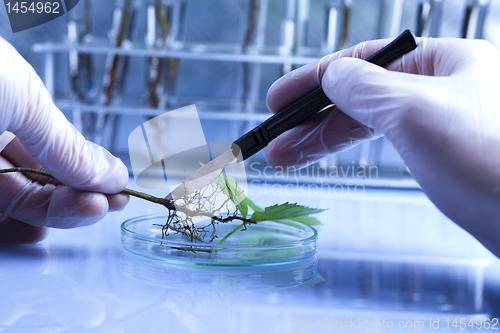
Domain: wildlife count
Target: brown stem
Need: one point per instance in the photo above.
(28, 170)
(232, 218)
(169, 204)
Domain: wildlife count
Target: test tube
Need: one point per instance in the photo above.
(120, 35)
(116, 68)
(302, 26)
(436, 18)
(337, 17)
(161, 72)
(423, 13)
(288, 27)
(73, 54)
(249, 25)
(165, 20)
(474, 18)
(429, 16)
(178, 26)
(391, 14)
(250, 17)
(80, 65)
(294, 28)
(150, 38)
(330, 39)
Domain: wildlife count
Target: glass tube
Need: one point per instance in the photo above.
(288, 27)
(429, 16)
(250, 17)
(302, 26)
(474, 19)
(337, 17)
(161, 72)
(294, 26)
(178, 29)
(391, 14)
(80, 66)
(116, 68)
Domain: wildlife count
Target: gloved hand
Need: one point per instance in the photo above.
(35, 134)
(438, 105)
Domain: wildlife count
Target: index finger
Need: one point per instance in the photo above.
(296, 84)
(423, 60)
(19, 157)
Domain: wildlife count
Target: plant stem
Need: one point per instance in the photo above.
(38, 172)
(167, 203)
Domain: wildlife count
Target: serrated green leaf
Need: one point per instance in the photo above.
(228, 187)
(277, 213)
(253, 205)
(286, 211)
(233, 192)
(243, 208)
(291, 224)
(309, 220)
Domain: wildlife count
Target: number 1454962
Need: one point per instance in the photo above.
(32, 7)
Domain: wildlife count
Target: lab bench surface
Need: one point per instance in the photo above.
(385, 257)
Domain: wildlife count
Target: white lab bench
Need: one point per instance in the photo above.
(385, 255)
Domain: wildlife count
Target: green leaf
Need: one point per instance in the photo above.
(233, 192)
(230, 188)
(291, 224)
(252, 205)
(243, 208)
(286, 211)
(309, 220)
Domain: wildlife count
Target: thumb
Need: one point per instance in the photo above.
(378, 98)
(27, 110)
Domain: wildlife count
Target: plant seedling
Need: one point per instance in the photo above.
(203, 203)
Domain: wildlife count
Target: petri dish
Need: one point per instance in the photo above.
(264, 243)
(287, 276)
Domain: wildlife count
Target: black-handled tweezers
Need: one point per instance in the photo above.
(298, 112)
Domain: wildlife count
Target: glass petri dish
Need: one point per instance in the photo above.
(264, 243)
(287, 276)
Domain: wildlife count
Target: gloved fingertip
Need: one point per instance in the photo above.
(16, 232)
(344, 75)
(281, 154)
(92, 208)
(120, 177)
(291, 87)
(37, 234)
(92, 168)
(71, 208)
(362, 90)
(110, 177)
(274, 154)
(117, 202)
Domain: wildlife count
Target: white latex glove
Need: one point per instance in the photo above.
(439, 105)
(44, 139)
